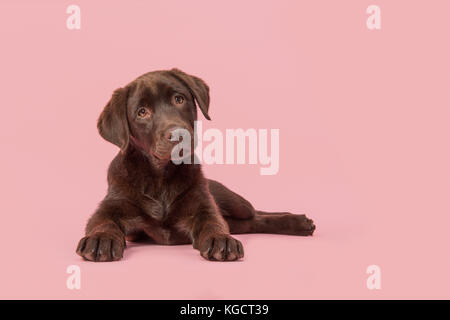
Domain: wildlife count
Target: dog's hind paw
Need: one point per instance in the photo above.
(303, 225)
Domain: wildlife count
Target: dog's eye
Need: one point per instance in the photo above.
(143, 113)
(179, 99)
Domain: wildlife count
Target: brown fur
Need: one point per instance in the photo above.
(149, 196)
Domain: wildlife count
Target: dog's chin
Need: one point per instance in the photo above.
(159, 161)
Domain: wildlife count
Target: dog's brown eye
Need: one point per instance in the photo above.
(179, 99)
(143, 113)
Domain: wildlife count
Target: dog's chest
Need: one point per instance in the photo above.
(156, 206)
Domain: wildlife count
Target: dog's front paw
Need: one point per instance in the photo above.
(222, 248)
(101, 247)
(303, 225)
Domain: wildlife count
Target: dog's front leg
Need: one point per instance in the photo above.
(105, 237)
(211, 236)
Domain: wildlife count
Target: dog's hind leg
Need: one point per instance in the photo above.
(230, 203)
(276, 223)
(243, 218)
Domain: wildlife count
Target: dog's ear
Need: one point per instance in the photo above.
(197, 87)
(112, 123)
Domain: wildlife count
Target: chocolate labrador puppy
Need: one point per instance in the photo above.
(150, 196)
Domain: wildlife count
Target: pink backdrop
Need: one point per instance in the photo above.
(364, 142)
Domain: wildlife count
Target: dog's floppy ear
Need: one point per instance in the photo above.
(198, 88)
(112, 123)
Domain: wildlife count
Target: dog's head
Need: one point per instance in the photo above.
(146, 112)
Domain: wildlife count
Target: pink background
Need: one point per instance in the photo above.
(364, 143)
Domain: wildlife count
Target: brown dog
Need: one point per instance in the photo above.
(150, 196)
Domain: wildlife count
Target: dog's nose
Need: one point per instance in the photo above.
(173, 134)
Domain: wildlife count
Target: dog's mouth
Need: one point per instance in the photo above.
(166, 157)
(158, 157)
(161, 153)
